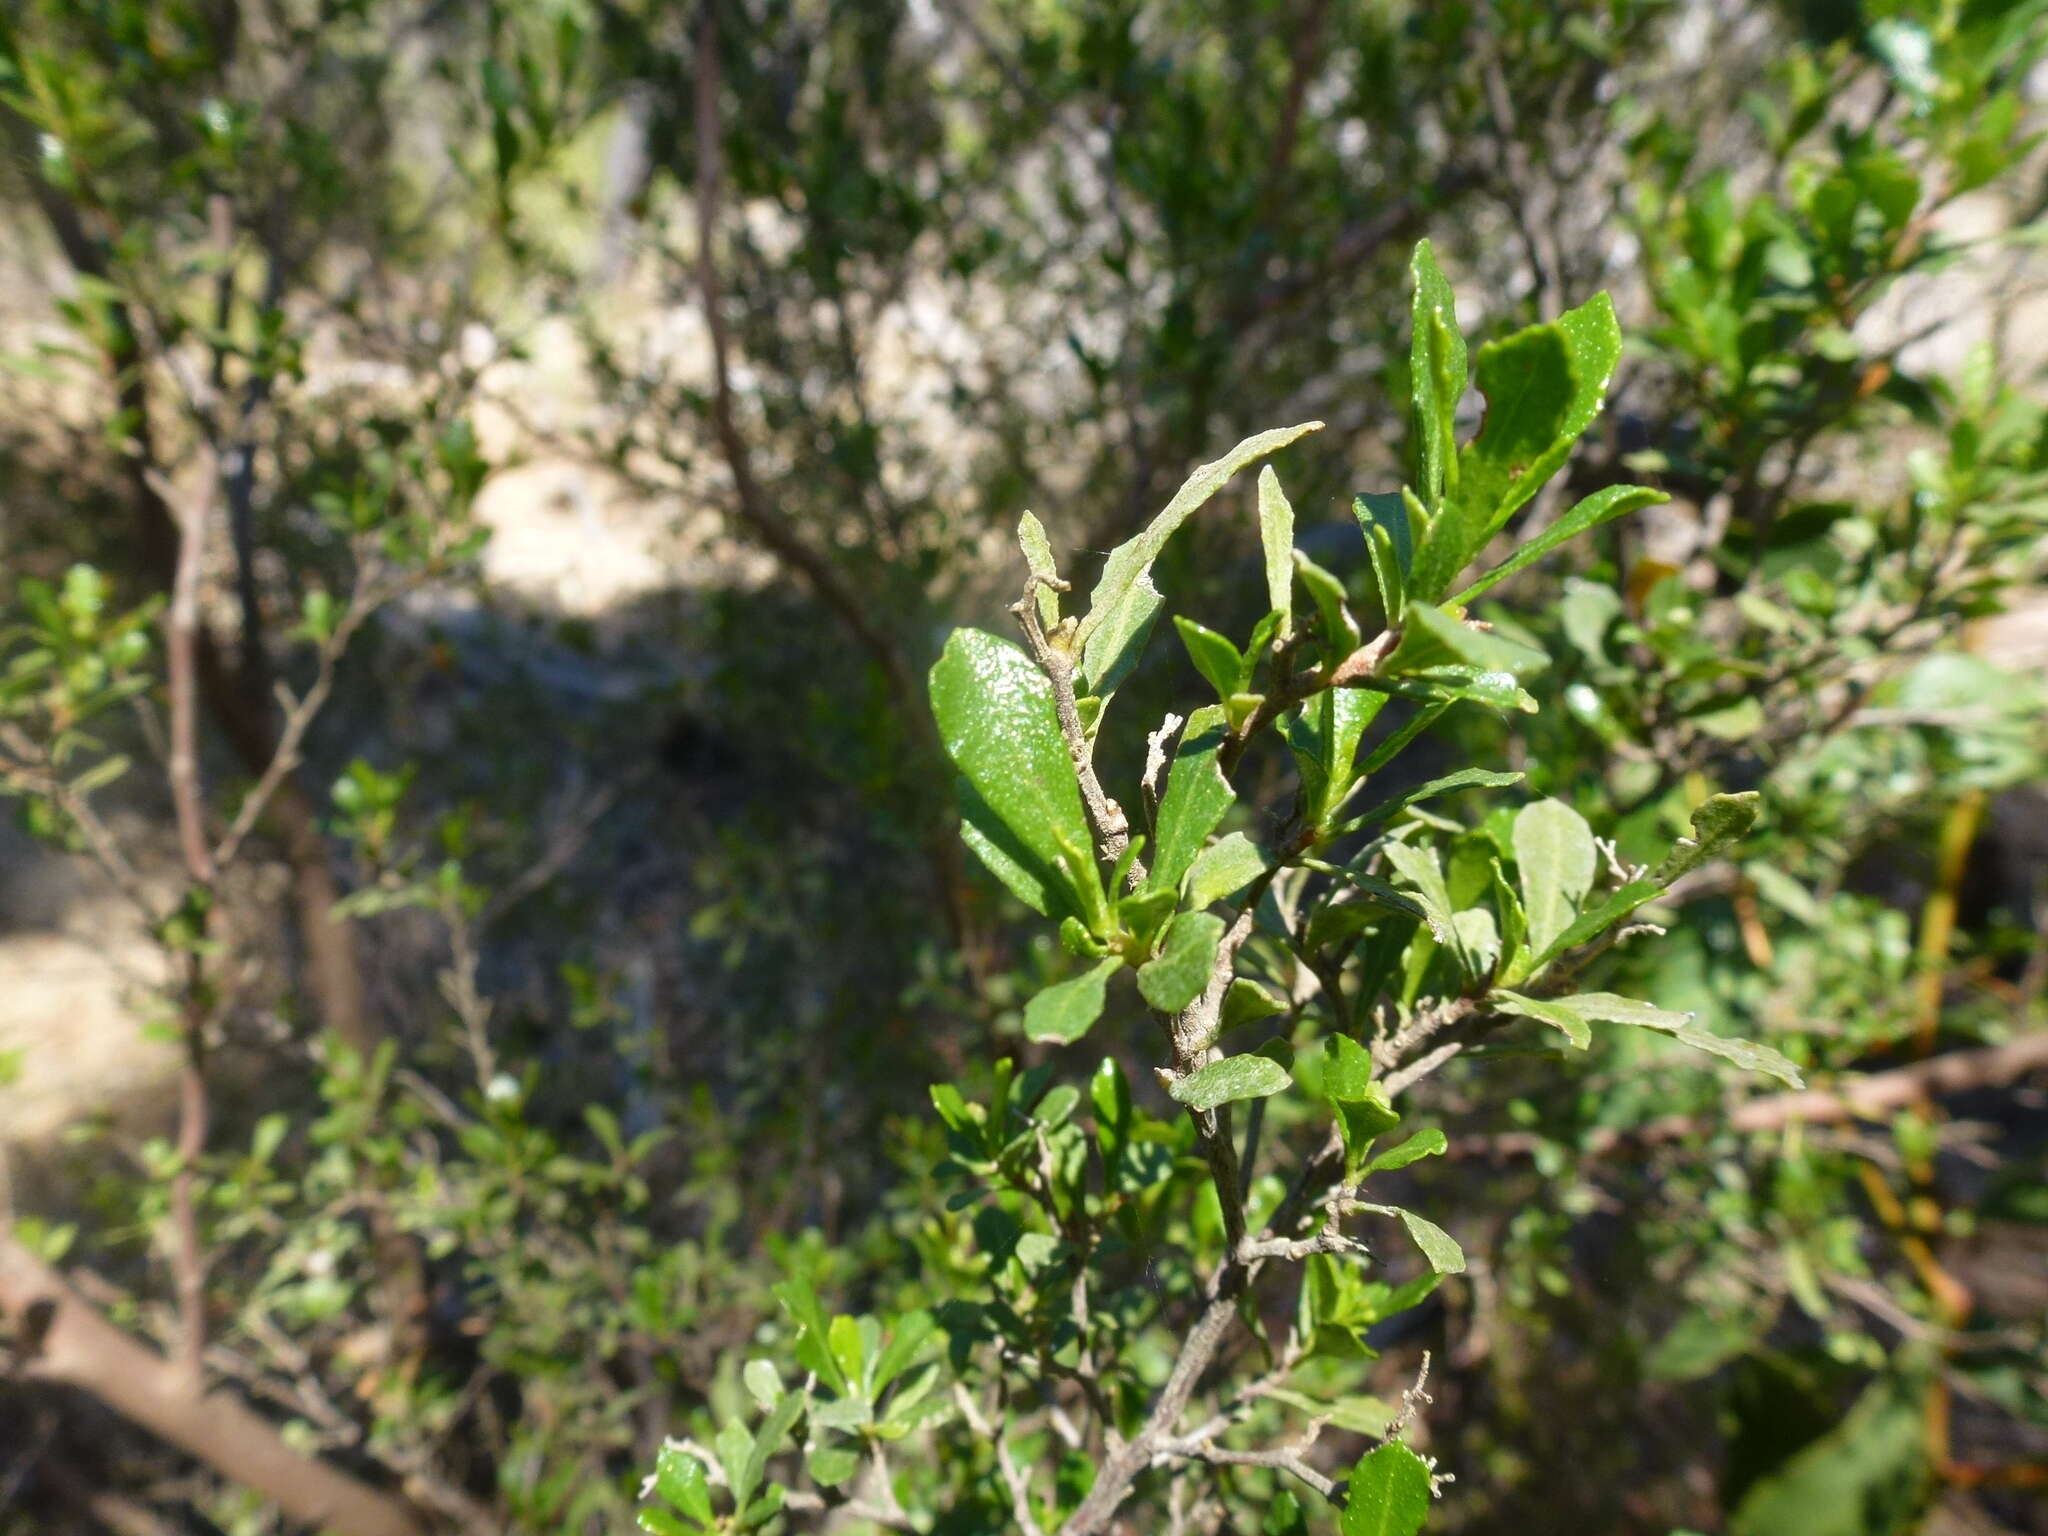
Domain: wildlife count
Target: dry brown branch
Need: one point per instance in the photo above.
(59, 1337)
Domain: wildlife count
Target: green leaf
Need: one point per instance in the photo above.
(1388, 1494)
(912, 1332)
(1869, 1476)
(1543, 387)
(1247, 1002)
(1554, 857)
(1340, 630)
(774, 1430)
(1421, 869)
(764, 1383)
(1363, 1112)
(1596, 920)
(1214, 656)
(1324, 736)
(1602, 506)
(1223, 869)
(813, 1347)
(735, 1449)
(1129, 563)
(1433, 638)
(1197, 796)
(1556, 1015)
(1437, 1245)
(1427, 1143)
(1464, 778)
(1231, 1079)
(1065, 1012)
(1038, 556)
(831, 1465)
(679, 1479)
(995, 715)
(1176, 978)
(656, 1522)
(1718, 822)
(1436, 376)
(1276, 536)
(1686, 1030)
(1114, 647)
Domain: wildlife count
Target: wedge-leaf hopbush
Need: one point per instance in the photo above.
(1309, 961)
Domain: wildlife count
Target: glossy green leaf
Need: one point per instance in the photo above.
(1543, 387)
(679, 1478)
(1020, 799)
(1426, 1143)
(1324, 737)
(1214, 656)
(813, 1351)
(1436, 376)
(1602, 506)
(1176, 978)
(1276, 538)
(1196, 799)
(768, 1440)
(1223, 869)
(1719, 822)
(1129, 563)
(1388, 1494)
(1231, 1079)
(1067, 1011)
(1464, 778)
(1554, 857)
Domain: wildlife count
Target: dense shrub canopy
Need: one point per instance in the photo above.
(579, 848)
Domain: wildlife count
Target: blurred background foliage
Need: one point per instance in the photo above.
(586, 510)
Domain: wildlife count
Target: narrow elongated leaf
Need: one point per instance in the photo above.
(1464, 778)
(813, 1349)
(1038, 556)
(1388, 1494)
(1196, 799)
(1129, 562)
(1176, 978)
(1436, 375)
(1223, 869)
(1602, 506)
(1340, 629)
(768, 1440)
(1686, 1030)
(995, 715)
(1554, 857)
(1567, 1021)
(1718, 822)
(1596, 920)
(1231, 1079)
(1066, 1011)
(1276, 537)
